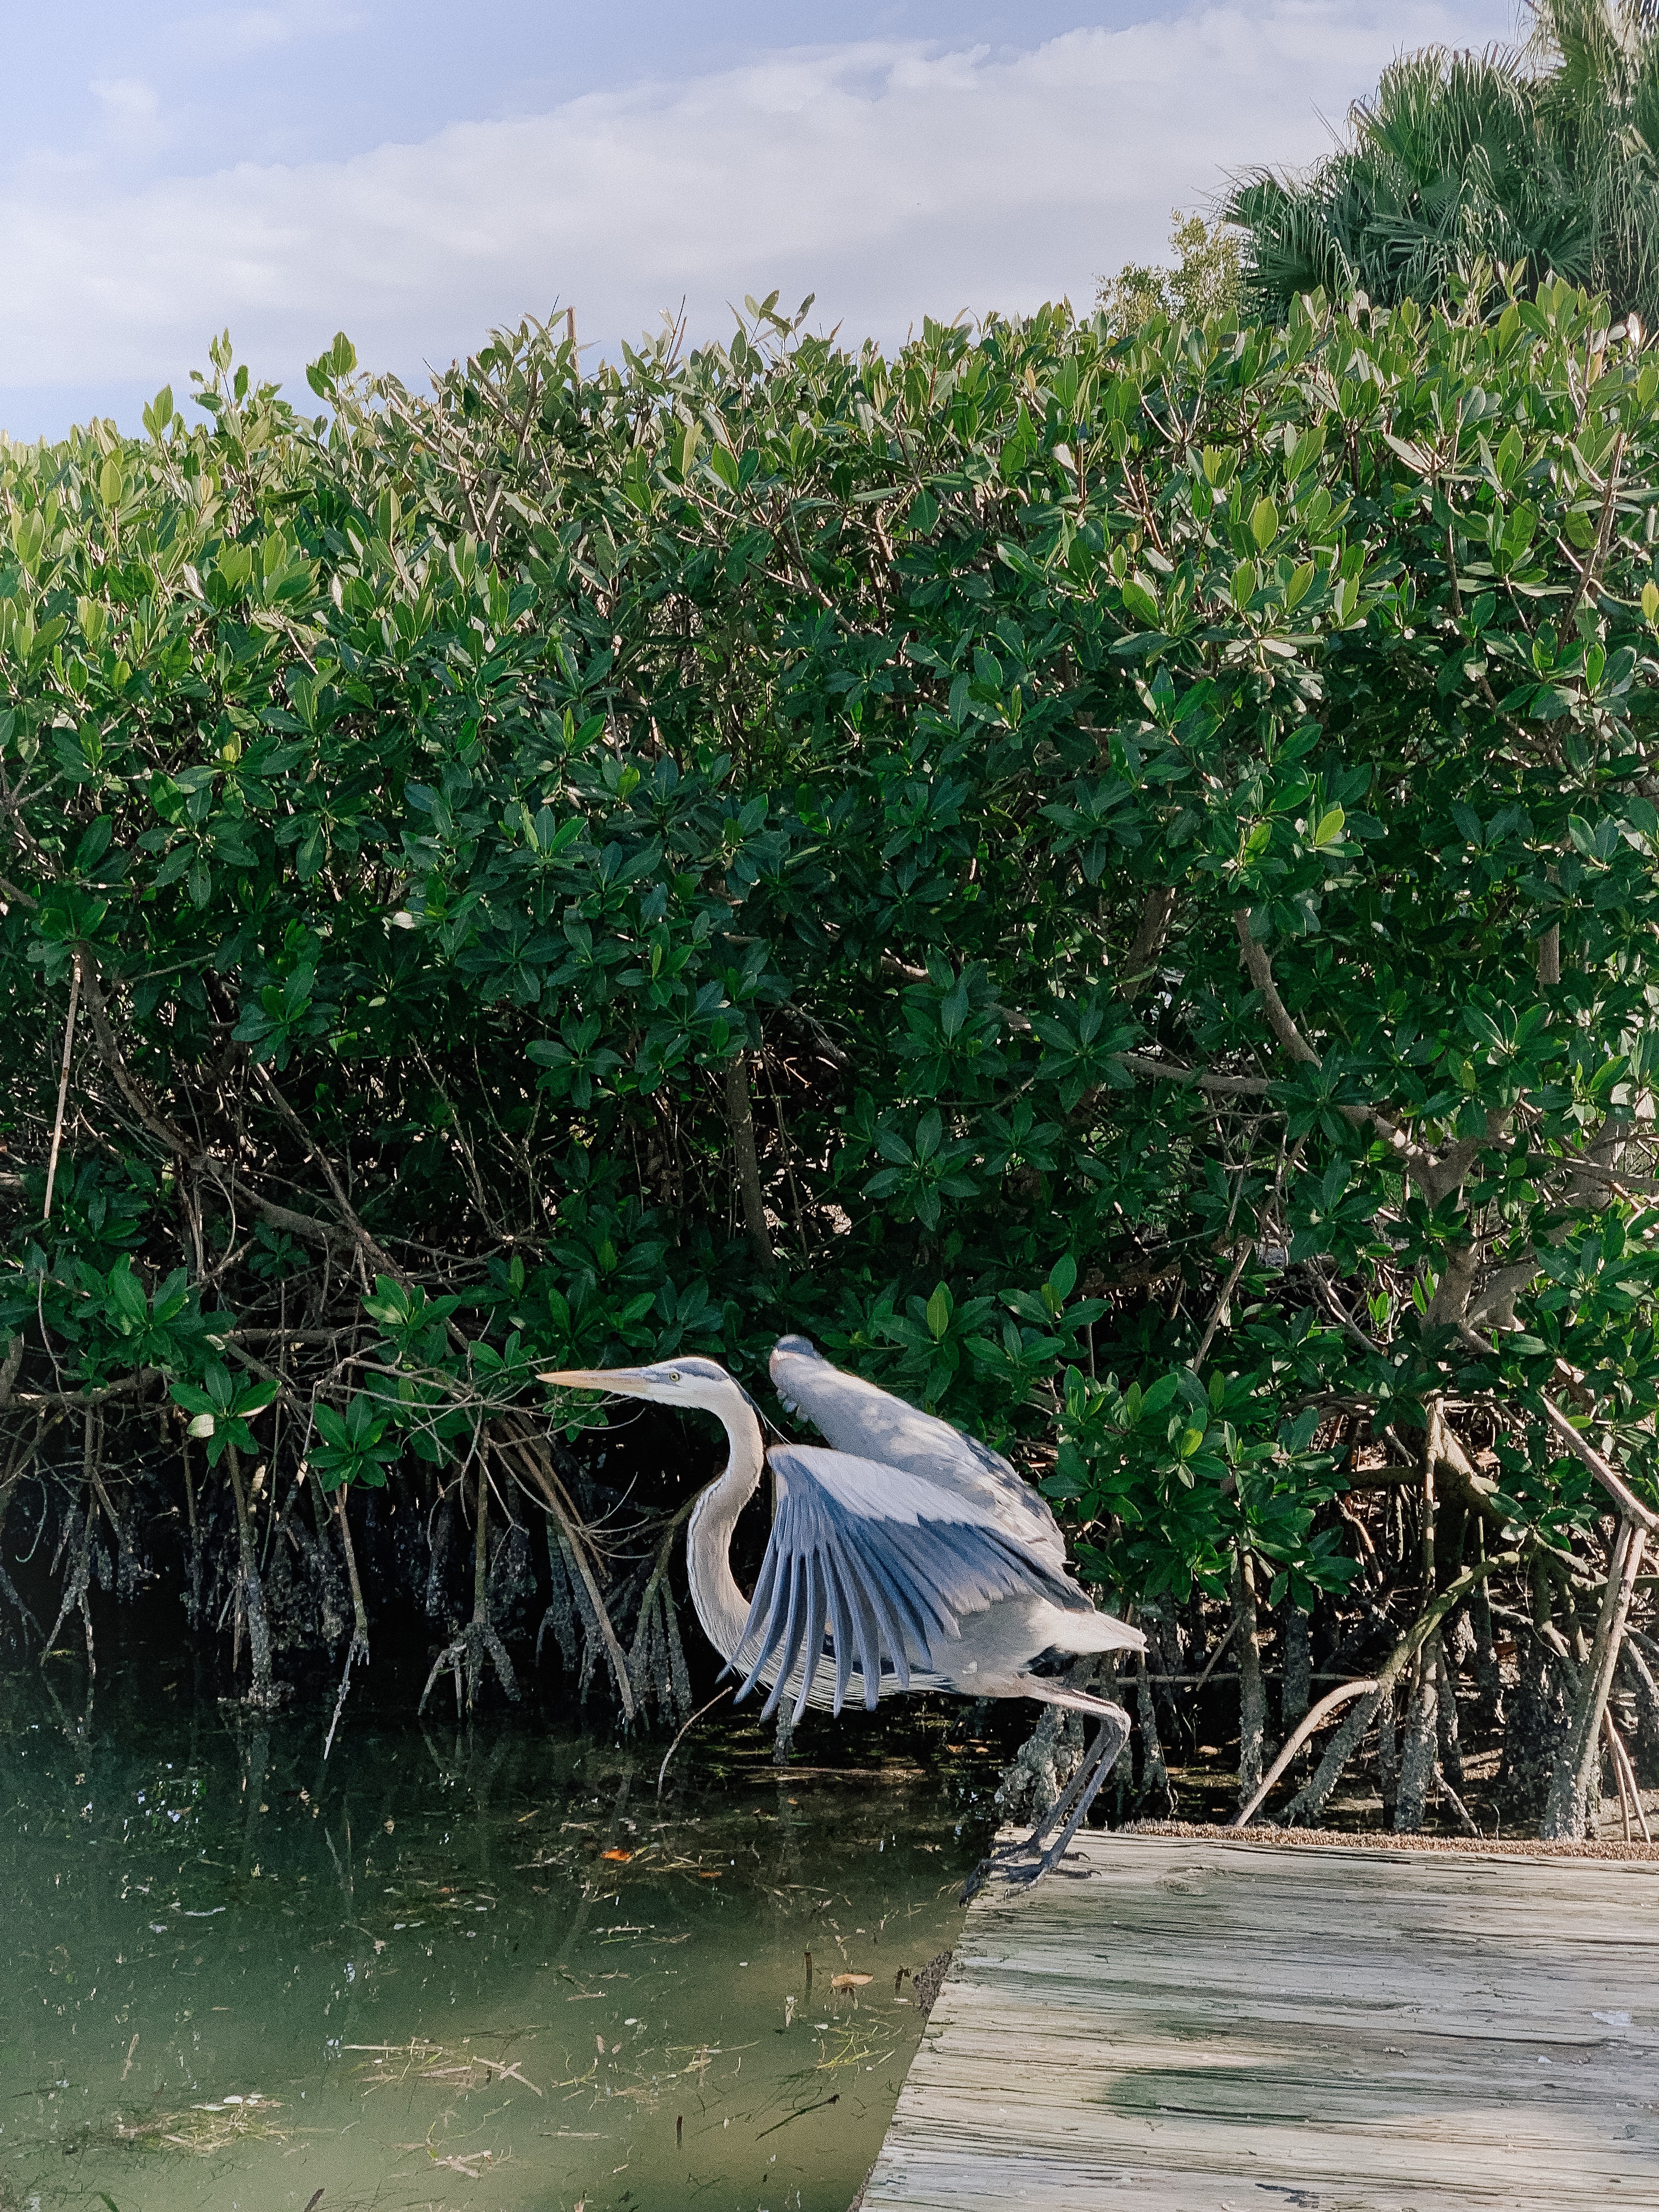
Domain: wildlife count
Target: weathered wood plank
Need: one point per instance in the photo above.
(1210, 2028)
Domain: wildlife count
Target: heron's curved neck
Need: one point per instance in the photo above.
(721, 1606)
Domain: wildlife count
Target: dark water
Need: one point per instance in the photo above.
(480, 1967)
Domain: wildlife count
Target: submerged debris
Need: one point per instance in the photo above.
(204, 2131)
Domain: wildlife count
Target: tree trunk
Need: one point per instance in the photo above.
(1488, 1680)
(1035, 1776)
(1141, 959)
(253, 1596)
(193, 1595)
(1295, 1691)
(1647, 1698)
(740, 1120)
(1165, 1649)
(1388, 1755)
(1573, 1786)
(1154, 1775)
(1252, 1692)
(1537, 1714)
(1451, 1745)
(480, 1579)
(1417, 1746)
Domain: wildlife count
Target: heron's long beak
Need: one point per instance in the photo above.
(618, 1382)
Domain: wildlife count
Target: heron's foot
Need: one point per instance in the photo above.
(1012, 1868)
(1007, 1862)
(1027, 1873)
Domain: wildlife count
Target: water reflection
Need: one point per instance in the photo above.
(446, 1969)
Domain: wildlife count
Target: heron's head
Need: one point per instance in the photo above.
(689, 1383)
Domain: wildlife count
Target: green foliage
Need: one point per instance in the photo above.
(221, 1409)
(1203, 281)
(1469, 170)
(359, 1445)
(1189, 1472)
(468, 812)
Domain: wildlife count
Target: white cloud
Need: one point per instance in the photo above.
(130, 111)
(229, 31)
(890, 179)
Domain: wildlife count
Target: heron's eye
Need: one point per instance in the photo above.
(673, 1374)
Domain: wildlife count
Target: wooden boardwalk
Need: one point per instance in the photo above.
(1197, 2026)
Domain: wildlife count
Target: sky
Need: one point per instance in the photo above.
(415, 171)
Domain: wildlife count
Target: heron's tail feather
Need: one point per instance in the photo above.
(1100, 1631)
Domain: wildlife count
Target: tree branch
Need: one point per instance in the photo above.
(1438, 1175)
(740, 1120)
(1171, 1071)
(1139, 961)
(371, 1248)
(1610, 1480)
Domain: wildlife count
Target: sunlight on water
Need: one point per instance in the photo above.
(448, 1969)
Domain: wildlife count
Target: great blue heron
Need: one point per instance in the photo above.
(909, 1555)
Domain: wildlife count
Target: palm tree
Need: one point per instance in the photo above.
(1541, 163)
(1598, 95)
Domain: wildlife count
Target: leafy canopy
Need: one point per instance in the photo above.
(1108, 877)
(1544, 163)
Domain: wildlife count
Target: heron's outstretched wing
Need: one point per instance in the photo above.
(855, 1416)
(884, 1563)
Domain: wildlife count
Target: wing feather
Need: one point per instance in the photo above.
(840, 1607)
(857, 1418)
(918, 1630)
(774, 1586)
(874, 1568)
(858, 1625)
(801, 1568)
(818, 1607)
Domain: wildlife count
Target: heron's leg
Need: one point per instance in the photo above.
(1060, 1809)
(1005, 1858)
(1073, 1807)
(1062, 1805)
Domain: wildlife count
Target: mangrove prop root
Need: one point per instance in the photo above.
(1565, 1811)
(480, 1640)
(1304, 1729)
(358, 1651)
(100, 1489)
(1252, 1694)
(77, 1575)
(532, 1458)
(252, 1590)
(1310, 1800)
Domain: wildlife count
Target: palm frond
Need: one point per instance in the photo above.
(1545, 158)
